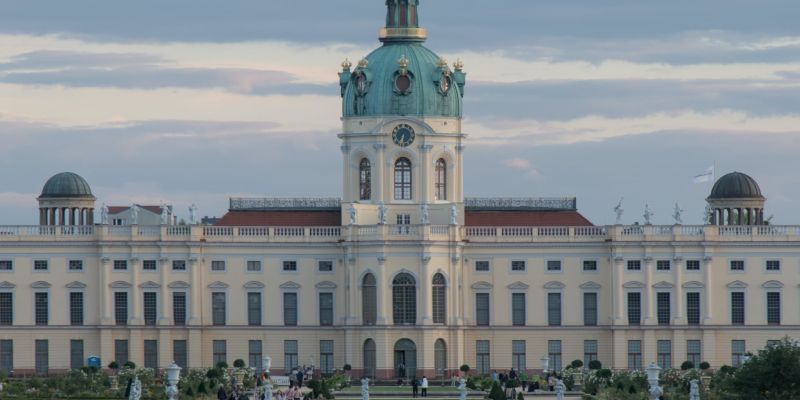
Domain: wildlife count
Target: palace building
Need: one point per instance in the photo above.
(402, 275)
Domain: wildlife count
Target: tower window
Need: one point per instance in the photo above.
(441, 180)
(402, 179)
(365, 180)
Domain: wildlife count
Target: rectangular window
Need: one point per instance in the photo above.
(518, 355)
(664, 354)
(554, 309)
(663, 265)
(326, 356)
(325, 266)
(178, 265)
(290, 309)
(120, 265)
(553, 265)
(150, 302)
(589, 352)
(6, 309)
(121, 352)
(218, 315)
(554, 352)
(76, 265)
(254, 309)
(179, 308)
(737, 308)
(663, 308)
(481, 266)
(518, 309)
(590, 265)
(590, 309)
(6, 355)
(290, 266)
(220, 351)
(254, 352)
(634, 265)
(42, 357)
(693, 265)
(254, 266)
(737, 352)
(218, 266)
(179, 353)
(151, 354)
(290, 359)
(6, 265)
(518, 265)
(403, 219)
(326, 309)
(42, 308)
(40, 265)
(693, 352)
(76, 354)
(76, 308)
(635, 355)
(482, 356)
(737, 265)
(773, 265)
(774, 308)
(693, 308)
(149, 265)
(482, 309)
(634, 308)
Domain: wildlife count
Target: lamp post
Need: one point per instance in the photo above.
(653, 371)
(544, 362)
(267, 363)
(173, 376)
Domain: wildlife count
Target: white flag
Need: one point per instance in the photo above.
(705, 176)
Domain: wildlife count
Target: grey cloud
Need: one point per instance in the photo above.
(45, 59)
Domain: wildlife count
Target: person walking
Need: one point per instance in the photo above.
(300, 376)
(414, 387)
(424, 386)
(221, 395)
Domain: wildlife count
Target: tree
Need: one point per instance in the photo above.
(130, 364)
(595, 364)
(773, 374)
(687, 365)
(496, 393)
(238, 363)
(222, 365)
(465, 369)
(705, 365)
(577, 364)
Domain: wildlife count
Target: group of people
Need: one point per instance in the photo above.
(417, 384)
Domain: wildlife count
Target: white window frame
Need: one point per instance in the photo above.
(734, 271)
(642, 304)
(247, 307)
(511, 308)
(671, 306)
(296, 266)
(475, 266)
(12, 266)
(213, 271)
(150, 271)
(547, 293)
(628, 268)
(299, 308)
(76, 271)
(766, 305)
(701, 296)
(693, 271)
(583, 308)
(333, 266)
(247, 266)
(596, 265)
(560, 269)
(211, 306)
(13, 292)
(511, 266)
(187, 296)
(780, 266)
(40, 271)
(49, 306)
(475, 307)
(730, 305)
(69, 306)
(317, 314)
(664, 271)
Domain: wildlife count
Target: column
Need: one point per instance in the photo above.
(165, 356)
(617, 290)
(72, 216)
(195, 344)
(619, 352)
(379, 182)
(424, 169)
(384, 289)
(90, 216)
(708, 348)
(347, 172)
(649, 352)
(83, 217)
(136, 295)
(730, 216)
(63, 216)
(679, 308)
(194, 302)
(166, 299)
(649, 293)
(424, 286)
(105, 297)
(709, 285)
(52, 217)
(454, 312)
(136, 347)
(714, 216)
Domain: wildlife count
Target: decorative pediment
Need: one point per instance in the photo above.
(554, 285)
(7, 285)
(482, 285)
(254, 285)
(772, 284)
(149, 285)
(693, 285)
(633, 285)
(737, 285)
(218, 285)
(663, 285)
(120, 285)
(518, 286)
(290, 285)
(40, 285)
(179, 285)
(590, 286)
(76, 285)
(326, 285)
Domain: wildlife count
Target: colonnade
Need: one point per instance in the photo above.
(64, 216)
(737, 216)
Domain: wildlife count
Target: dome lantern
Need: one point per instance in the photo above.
(66, 199)
(736, 199)
(402, 22)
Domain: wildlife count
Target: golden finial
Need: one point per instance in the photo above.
(403, 64)
(364, 63)
(346, 64)
(458, 65)
(442, 63)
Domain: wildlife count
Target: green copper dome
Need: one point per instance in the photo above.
(403, 77)
(66, 184)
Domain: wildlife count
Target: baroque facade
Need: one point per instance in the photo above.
(401, 276)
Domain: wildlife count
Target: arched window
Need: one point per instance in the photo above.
(440, 357)
(369, 300)
(365, 180)
(404, 300)
(440, 185)
(402, 179)
(369, 358)
(439, 300)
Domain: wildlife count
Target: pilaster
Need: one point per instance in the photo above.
(166, 315)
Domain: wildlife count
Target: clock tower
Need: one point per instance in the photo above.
(402, 142)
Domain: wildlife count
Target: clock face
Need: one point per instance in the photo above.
(403, 135)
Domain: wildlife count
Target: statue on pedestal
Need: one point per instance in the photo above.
(382, 211)
(353, 214)
(192, 214)
(694, 390)
(560, 388)
(462, 389)
(136, 389)
(425, 214)
(678, 214)
(365, 388)
(453, 214)
(648, 214)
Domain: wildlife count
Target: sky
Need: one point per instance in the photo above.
(198, 101)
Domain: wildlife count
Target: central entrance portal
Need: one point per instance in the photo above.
(405, 359)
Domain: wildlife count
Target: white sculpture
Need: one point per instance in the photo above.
(192, 214)
(678, 214)
(136, 389)
(134, 214)
(382, 211)
(462, 389)
(694, 390)
(268, 389)
(453, 214)
(560, 388)
(164, 214)
(365, 388)
(619, 211)
(425, 213)
(648, 214)
(353, 214)
(104, 214)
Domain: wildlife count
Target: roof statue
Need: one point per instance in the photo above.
(192, 214)
(619, 211)
(678, 214)
(648, 214)
(104, 214)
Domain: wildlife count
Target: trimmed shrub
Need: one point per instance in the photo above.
(687, 365)
(238, 363)
(576, 364)
(705, 365)
(222, 365)
(595, 364)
